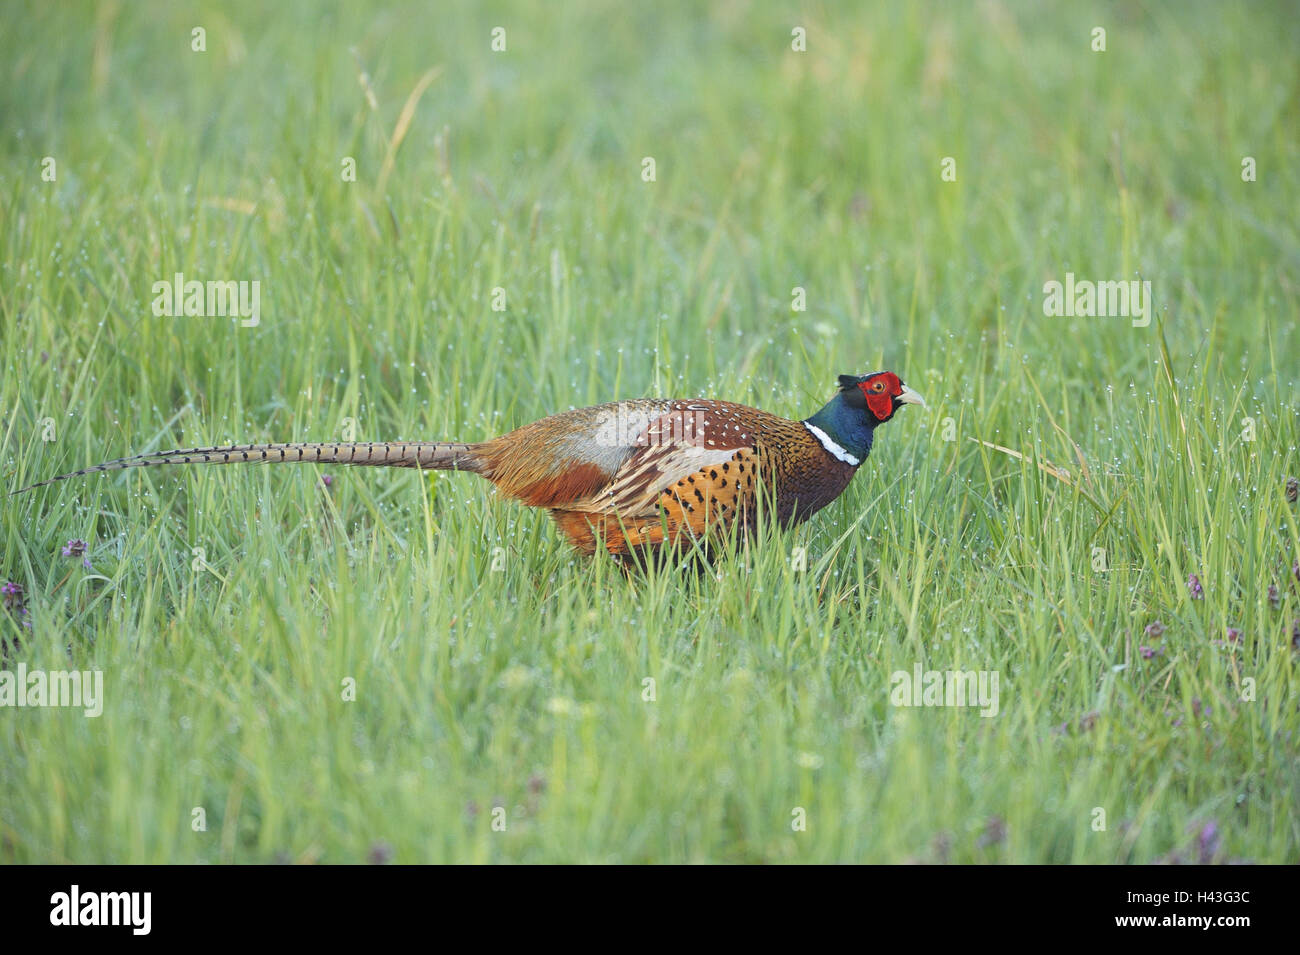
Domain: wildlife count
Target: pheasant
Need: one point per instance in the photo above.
(630, 476)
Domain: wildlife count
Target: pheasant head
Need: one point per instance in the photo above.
(848, 421)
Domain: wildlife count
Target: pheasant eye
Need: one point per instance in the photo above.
(878, 386)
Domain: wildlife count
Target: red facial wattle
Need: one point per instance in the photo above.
(881, 402)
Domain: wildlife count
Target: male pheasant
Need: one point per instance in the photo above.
(631, 475)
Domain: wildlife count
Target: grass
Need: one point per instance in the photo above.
(492, 667)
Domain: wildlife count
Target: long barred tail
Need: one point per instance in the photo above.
(445, 456)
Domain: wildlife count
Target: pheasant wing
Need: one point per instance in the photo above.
(690, 440)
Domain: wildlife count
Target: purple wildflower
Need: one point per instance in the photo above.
(1194, 587)
(15, 602)
(941, 845)
(1274, 598)
(1154, 630)
(1147, 652)
(995, 832)
(74, 548)
(1233, 635)
(1292, 489)
(381, 853)
(327, 480)
(1207, 842)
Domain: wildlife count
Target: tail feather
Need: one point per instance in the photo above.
(442, 455)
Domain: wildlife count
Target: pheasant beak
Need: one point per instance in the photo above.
(909, 397)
